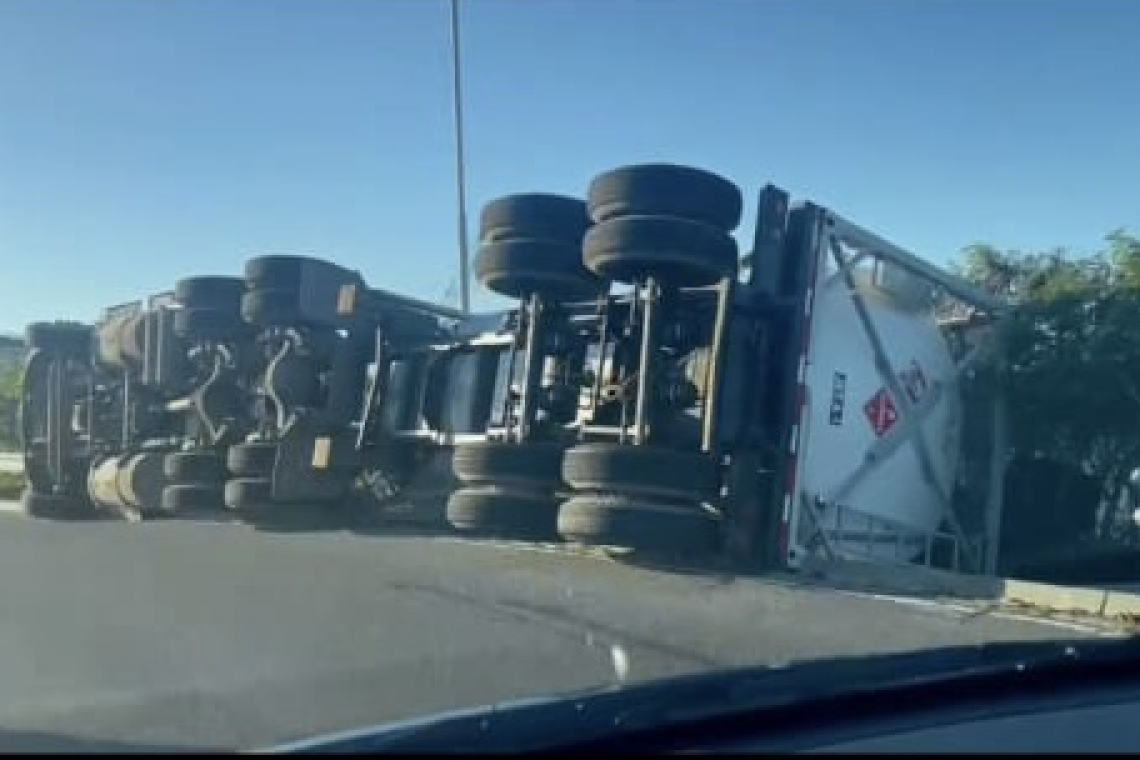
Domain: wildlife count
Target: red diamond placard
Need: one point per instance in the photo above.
(881, 412)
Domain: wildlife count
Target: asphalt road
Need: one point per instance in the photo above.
(196, 635)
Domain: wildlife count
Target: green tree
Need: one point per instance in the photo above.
(10, 375)
(1072, 358)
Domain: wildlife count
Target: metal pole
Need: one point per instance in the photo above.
(996, 495)
(461, 182)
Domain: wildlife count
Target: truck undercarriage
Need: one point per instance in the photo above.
(650, 388)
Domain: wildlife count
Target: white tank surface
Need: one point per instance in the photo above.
(890, 509)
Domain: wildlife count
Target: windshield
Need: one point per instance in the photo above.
(362, 360)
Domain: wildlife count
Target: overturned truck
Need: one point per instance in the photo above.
(240, 392)
(654, 389)
(132, 413)
(650, 388)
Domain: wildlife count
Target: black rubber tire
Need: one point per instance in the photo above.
(281, 271)
(519, 268)
(253, 459)
(504, 513)
(67, 338)
(527, 465)
(641, 525)
(209, 324)
(677, 252)
(210, 292)
(57, 507)
(641, 470)
(270, 307)
(200, 467)
(248, 494)
(534, 216)
(192, 497)
(666, 190)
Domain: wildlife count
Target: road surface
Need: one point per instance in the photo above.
(197, 635)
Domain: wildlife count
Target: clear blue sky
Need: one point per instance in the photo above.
(145, 140)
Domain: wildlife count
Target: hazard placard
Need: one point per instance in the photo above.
(881, 412)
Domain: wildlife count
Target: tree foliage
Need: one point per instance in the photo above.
(1071, 353)
(9, 405)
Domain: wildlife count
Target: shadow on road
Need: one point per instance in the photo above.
(353, 517)
(707, 567)
(12, 741)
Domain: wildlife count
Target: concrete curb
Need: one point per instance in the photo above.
(855, 575)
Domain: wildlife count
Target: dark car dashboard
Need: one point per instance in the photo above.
(1102, 721)
(1016, 698)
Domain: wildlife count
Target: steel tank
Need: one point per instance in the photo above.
(889, 508)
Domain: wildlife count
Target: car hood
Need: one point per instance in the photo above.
(552, 722)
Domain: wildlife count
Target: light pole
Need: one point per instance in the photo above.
(460, 179)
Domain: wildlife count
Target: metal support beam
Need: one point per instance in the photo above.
(816, 531)
(887, 445)
(714, 371)
(643, 416)
(864, 241)
(533, 358)
(995, 502)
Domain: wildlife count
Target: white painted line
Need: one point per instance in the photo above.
(967, 610)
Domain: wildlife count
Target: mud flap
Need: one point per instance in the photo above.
(314, 466)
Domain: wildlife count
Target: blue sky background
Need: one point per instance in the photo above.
(145, 140)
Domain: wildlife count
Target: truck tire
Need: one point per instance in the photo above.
(70, 339)
(209, 324)
(526, 465)
(210, 292)
(504, 513)
(270, 307)
(142, 479)
(679, 252)
(30, 414)
(641, 470)
(534, 216)
(180, 498)
(248, 494)
(200, 467)
(252, 459)
(276, 271)
(520, 268)
(666, 190)
(56, 506)
(637, 524)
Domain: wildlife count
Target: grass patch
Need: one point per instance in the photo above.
(11, 484)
